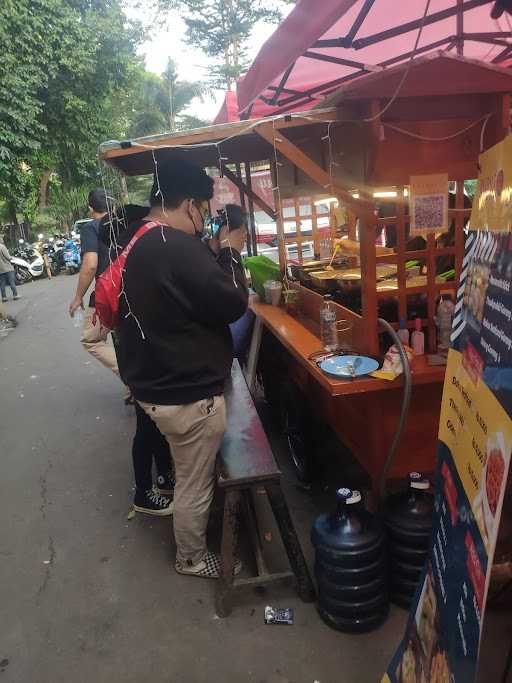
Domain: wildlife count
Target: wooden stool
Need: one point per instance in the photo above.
(246, 462)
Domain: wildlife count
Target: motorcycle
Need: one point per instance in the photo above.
(72, 257)
(33, 260)
(21, 270)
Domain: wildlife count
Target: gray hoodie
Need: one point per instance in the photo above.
(5, 258)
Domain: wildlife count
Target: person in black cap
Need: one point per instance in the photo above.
(174, 345)
(95, 258)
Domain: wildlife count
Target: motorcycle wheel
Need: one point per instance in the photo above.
(22, 276)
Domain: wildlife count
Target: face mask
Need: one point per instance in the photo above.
(203, 212)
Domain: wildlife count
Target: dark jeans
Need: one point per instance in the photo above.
(148, 443)
(8, 279)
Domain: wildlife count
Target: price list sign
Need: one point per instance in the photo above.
(442, 638)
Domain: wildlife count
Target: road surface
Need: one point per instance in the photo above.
(89, 597)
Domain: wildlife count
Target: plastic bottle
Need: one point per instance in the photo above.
(78, 318)
(350, 567)
(444, 319)
(403, 333)
(328, 327)
(418, 339)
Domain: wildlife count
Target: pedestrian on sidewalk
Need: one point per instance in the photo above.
(95, 258)
(174, 345)
(7, 274)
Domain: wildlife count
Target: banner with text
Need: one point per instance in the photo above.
(492, 204)
(442, 638)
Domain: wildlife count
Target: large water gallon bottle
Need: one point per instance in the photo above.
(408, 518)
(350, 566)
(328, 327)
(444, 320)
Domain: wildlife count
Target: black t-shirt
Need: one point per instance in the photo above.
(90, 242)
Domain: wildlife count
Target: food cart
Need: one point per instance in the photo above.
(362, 154)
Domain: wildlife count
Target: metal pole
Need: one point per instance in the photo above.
(242, 200)
(252, 220)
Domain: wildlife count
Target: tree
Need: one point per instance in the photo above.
(28, 32)
(93, 67)
(68, 206)
(222, 28)
(63, 61)
(159, 102)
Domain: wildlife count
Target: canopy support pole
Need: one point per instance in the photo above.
(242, 201)
(252, 220)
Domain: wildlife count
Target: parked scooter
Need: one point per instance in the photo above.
(72, 257)
(29, 259)
(21, 270)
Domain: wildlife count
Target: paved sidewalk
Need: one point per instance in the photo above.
(88, 596)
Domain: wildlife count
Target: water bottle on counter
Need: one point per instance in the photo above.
(328, 326)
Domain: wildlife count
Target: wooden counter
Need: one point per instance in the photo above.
(362, 412)
(297, 336)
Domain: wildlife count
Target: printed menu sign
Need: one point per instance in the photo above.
(492, 204)
(428, 203)
(442, 638)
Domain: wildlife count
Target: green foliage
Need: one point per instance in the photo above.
(139, 188)
(470, 187)
(222, 28)
(70, 79)
(159, 102)
(63, 62)
(68, 206)
(44, 221)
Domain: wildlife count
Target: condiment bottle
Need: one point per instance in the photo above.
(403, 332)
(418, 339)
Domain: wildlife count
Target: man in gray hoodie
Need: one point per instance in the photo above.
(7, 276)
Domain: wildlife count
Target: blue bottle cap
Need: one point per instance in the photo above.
(402, 323)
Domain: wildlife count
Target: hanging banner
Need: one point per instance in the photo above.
(442, 637)
(428, 203)
(492, 204)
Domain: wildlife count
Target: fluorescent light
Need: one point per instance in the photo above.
(355, 195)
(386, 193)
(327, 200)
(406, 192)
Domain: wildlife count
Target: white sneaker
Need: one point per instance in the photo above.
(207, 568)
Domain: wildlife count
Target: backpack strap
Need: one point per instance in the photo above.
(140, 232)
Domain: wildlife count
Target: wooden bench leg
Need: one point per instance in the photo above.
(291, 543)
(230, 523)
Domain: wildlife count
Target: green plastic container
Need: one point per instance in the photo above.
(261, 269)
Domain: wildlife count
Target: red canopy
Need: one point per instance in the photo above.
(321, 45)
(229, 109)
